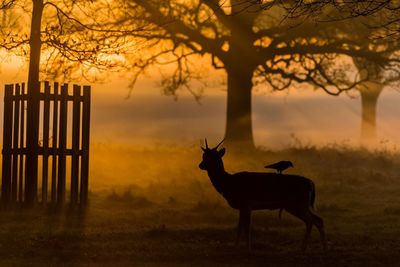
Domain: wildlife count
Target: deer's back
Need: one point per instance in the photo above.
(266, 190)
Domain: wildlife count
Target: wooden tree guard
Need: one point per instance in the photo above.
(56, 120)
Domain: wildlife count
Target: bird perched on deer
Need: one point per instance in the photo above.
(249, 191)
(280, 166)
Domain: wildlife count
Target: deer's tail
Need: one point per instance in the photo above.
(312, 195)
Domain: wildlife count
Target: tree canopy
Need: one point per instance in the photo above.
(255, 42)
(75, 37)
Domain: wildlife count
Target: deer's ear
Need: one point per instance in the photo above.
(221, 152)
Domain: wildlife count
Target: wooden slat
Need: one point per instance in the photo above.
(45, 142)
(14, 179)
(85, 145)
(7, 141)
(54, 146)
(62, 145)
(32, 144)
(76, 117)
(21, 144)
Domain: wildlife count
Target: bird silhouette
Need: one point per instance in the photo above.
(280, 166)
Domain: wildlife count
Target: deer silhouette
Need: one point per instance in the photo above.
(248, 191)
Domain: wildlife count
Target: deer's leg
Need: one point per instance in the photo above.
(240, 226)
(247, 227)
(319, 223)
(306, 217)
(307, 234)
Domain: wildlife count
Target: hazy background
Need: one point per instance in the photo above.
(312, 117)
(145, 117)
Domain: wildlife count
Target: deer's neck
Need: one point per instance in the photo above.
(218, 178)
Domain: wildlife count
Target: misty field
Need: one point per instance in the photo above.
(154, 207)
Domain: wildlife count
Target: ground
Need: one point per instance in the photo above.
(171, 215)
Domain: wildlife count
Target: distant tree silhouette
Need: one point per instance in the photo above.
(378, 22)
(270, 46)
(375, 24)
(367, 31)
(369, 91)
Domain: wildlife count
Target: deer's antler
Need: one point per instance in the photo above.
(219, 144)
(201, 145)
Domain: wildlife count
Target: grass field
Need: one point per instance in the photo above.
(154, 207)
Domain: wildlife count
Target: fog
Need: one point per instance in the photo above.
(144, 116)
(126, 123)
(279, 119)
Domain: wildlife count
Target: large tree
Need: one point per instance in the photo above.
(250, 46)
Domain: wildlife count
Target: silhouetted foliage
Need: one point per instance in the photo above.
(6, 4)
(382, 15)
(74, 39)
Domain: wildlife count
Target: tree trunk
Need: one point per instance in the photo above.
(369, 97)
(33, 105)
(239, 129)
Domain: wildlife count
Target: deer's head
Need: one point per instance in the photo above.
(212, 158)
